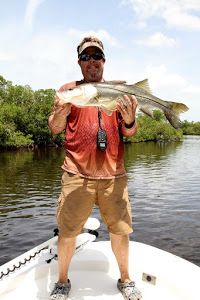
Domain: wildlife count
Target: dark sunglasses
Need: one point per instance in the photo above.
(95, 56)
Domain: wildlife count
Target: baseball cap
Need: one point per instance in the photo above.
(90, 41)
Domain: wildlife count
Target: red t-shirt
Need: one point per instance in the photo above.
(82, 155)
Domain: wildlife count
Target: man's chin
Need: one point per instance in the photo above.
(93, 77)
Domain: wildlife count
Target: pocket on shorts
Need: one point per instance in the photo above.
(66, 177)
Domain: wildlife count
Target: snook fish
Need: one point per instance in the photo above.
(106, 94)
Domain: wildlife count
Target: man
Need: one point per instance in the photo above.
(93, 175)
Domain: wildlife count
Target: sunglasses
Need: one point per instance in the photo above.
(95, 56)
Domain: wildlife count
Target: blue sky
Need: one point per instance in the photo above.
(154, 39)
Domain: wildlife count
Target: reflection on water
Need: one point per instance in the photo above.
(164, 187)
(164, 191)
(149, 152)
(29, 185)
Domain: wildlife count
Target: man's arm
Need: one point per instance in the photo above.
(58, 118)
(129, 131)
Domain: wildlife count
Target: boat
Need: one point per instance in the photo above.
(94, 272)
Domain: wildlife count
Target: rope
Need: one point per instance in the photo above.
(20, 263)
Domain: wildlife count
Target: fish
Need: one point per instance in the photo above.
(105, 95)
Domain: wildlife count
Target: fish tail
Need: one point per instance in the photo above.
(172, 114)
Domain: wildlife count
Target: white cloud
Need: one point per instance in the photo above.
(48, 58)
(161, 77)
(181, 18)
(182, 14)
(31, 9)
(101, 34)
(6, 56)
(192, 89)
(158, 39)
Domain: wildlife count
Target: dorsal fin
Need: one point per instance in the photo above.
(144, 84)
(115, 81)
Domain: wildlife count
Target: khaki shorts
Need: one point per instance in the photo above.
(78, 196)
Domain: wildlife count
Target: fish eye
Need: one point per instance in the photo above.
(70, 89)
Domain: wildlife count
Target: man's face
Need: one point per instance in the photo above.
(92, 69)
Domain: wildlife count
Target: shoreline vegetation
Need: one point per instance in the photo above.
(24, 114)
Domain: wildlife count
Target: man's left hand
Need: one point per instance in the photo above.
(127, 107)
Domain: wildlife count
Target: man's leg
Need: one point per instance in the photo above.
(66, 249)
(74, 207)
(120, 247)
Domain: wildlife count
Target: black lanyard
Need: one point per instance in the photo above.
(99, 117)
(101, 135)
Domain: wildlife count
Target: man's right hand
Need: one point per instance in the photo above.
(59, 104)
(58, 118)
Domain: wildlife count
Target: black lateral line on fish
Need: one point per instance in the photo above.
(116, 89)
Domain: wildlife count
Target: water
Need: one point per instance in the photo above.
(164, 189)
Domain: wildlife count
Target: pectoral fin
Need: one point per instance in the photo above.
(148, 110)
(107, 111)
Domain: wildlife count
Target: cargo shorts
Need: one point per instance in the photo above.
(78, 197)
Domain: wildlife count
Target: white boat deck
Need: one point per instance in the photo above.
(94, 273)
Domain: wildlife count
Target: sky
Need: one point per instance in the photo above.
(154, 39)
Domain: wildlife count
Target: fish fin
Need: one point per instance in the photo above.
(178, 107)
(144, 84)
(172, 114)
(107, 111)
(147, 110)
(93, 101)
(115, 81)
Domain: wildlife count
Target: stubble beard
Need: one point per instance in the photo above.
(94, 74)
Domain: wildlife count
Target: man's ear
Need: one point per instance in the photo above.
(79, 62)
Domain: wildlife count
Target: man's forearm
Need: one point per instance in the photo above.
(129, 131)
(57, 120)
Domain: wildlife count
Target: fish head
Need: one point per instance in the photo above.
(79, 95)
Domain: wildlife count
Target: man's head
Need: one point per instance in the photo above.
(91, 58)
